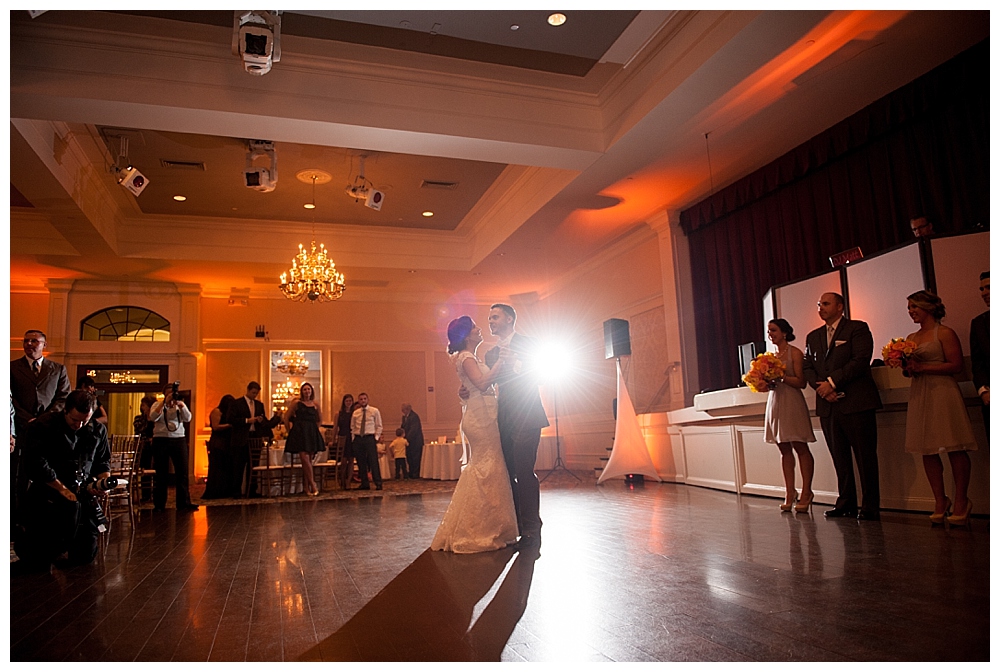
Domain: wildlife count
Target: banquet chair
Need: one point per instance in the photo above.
(260, 468)
(331, 466)
(125, 450)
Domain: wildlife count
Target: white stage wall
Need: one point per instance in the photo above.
(877, 290)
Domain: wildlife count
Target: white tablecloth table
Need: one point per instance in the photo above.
(441, 461)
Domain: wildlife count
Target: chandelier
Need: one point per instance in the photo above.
(292, 363)
(282, 393)
(313, 275)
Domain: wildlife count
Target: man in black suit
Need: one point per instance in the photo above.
(415, 439)
(979, 346)
(37, 385)
(248, 420)
(63, 454)
(838, 366)
(520, 417)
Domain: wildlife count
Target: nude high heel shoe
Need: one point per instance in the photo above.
(938, 518)
(803, 506)
(786, 506)
(961, 520)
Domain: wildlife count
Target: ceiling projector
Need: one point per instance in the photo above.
(261, 178)
(257, 39)
(133, 180)
(373, 198)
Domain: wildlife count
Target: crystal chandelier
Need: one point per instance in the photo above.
(292, 363)
(282, 393)
(313, 275)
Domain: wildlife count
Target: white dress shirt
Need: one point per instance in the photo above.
(373, 422)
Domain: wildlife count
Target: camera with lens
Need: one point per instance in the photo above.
(88, 492)
(174, 387)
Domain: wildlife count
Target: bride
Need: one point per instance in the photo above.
(481, 515)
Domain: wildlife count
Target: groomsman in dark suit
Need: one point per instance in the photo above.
(838, 366)
(979, 346)
(249, 421)
(37, 385)
(520, 417)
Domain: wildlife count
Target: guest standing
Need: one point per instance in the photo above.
(936, 419)
(88, 384)
(366, 428)
(414, 438)
(248, 421)
(303, 421)
(786, 419)
(837, 364)
(170, 445)
(221, 468)
(979, 345)
(345, 467)
(144, 429)
(37, 385)
(398, 450)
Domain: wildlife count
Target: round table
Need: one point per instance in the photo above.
(441, 461)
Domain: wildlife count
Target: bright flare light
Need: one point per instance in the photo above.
(555, 363)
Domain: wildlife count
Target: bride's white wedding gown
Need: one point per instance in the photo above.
(481, 515)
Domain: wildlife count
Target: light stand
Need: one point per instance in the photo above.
(558, 463)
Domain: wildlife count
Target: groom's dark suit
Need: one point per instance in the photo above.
(520, 417)
(239, 440)
(849, 422)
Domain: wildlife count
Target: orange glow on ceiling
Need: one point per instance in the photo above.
(772, 81)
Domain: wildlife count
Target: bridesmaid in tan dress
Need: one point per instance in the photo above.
(936, 419)
(786, 418)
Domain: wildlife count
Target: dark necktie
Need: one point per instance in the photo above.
(36, 368)
(364, 417)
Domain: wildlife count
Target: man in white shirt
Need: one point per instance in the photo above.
(366, 428)
(168, 417)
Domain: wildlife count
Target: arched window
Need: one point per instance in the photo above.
(125, 323)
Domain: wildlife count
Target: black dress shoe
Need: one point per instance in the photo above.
(158, 509)
(378, 486)
(868, 515)
(841, 513)
(190, 508)
(363, 487)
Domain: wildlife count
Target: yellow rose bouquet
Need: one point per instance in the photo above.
(765, 372)
(896, 351)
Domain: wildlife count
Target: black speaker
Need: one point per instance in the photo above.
(616, 341)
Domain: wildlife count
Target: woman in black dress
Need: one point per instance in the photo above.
(343, 441)
(220, 462)
(303, 420)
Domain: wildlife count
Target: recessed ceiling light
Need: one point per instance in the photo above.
(557, 19)
(514, 26)
(178, 197)
(309, 206)
(427, 213)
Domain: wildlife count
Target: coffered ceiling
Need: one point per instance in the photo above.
(536, 149)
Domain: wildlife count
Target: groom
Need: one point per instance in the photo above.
(520, 417)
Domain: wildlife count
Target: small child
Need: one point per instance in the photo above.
(398, 449)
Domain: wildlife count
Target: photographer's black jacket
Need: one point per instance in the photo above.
(53, 450)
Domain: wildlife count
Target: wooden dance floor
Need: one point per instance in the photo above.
(660, 573)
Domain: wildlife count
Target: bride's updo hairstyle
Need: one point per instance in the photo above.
(929, 302)
(458, 333)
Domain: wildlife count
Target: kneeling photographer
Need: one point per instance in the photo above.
(64, 455)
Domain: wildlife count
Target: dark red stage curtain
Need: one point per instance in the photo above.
(923, 149)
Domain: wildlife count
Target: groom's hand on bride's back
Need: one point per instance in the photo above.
(463, 392)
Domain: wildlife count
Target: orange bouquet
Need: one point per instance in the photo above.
(895, 352)
(765, 372)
